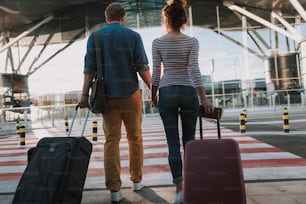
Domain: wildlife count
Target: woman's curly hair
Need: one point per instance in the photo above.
(175, 13)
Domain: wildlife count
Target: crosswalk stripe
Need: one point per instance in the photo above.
(254, 154)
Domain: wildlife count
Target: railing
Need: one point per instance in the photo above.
(260, 98)
(49, 115)
(35, 117)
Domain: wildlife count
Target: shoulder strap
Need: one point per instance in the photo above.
(98, 54)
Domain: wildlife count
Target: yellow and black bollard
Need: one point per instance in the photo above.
(94, 131)
(22, 135)
(286, 120)
(17, 127)
(245, 115)
(242, 123)
(66, 125)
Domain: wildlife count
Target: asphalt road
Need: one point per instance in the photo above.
(266, 125)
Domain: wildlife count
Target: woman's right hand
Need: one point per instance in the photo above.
(208, 107)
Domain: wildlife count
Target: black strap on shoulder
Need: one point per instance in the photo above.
(98, 54)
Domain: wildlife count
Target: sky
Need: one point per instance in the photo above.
(64, 73)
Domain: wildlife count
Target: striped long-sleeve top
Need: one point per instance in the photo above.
(175, 62)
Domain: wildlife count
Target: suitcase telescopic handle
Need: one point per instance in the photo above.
(73, 119)
(201, 127)
(217, 112)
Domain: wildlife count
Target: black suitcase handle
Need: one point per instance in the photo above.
(217, 112)
(73, 118)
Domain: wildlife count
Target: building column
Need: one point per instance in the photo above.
(303, 63)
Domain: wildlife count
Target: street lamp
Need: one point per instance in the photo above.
(212, 81)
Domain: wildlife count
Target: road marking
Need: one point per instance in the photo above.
(254, 153)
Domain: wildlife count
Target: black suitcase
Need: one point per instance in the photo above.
(56, 170)
(213, 170)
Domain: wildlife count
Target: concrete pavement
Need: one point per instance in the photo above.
(277, 192)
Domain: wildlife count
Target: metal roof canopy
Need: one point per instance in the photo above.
(42, 22)
(71, 16)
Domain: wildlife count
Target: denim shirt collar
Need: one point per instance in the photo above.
(113, 24)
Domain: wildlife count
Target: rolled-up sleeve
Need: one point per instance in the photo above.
(140, 55)
(90, 56)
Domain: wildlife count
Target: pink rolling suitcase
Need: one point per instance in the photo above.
(213, 169)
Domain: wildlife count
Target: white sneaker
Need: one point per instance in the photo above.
(178, 198)
(116, 196)
(137, 186)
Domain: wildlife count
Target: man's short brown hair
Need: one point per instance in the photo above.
(114, 12)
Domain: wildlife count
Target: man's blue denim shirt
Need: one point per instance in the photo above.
(122, 54)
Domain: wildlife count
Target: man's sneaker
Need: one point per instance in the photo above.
(116, 196)
(137, 186)
(178, 198)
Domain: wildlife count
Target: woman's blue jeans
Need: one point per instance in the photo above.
(178, 102)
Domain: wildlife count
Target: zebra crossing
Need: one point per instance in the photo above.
(260, 161)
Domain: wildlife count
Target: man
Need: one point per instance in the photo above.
(123, 56)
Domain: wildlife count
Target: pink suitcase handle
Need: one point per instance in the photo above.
(217, 112)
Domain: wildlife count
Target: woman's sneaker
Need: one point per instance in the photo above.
(116, 196)
(178, 198)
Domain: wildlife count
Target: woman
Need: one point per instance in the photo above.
(177, 78)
